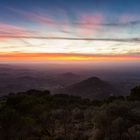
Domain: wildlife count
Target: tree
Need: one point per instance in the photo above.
(135, 93)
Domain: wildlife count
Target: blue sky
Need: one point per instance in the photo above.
(111, 9)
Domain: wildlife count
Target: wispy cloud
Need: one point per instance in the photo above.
(9, 30)
(131, 40)
(83, 34)
(82, 19)
(82, 25)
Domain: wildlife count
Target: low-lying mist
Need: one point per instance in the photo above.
(21, 76)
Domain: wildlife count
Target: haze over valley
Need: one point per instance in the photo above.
(56, 77)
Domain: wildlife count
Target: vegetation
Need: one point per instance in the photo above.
(38, 115)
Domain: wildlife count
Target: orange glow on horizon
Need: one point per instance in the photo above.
(63, 57)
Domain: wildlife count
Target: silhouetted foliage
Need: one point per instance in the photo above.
(38, 115)
(135, 94)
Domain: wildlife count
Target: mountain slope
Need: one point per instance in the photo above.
(92, 87)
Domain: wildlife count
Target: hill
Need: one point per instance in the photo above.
(92, 87)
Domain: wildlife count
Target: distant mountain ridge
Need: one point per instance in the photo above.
(92, 87)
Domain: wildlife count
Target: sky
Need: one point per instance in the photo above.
(70, 30)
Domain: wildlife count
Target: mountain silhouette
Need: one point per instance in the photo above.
(92, 87)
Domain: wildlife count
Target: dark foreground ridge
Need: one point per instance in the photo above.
(38, 115)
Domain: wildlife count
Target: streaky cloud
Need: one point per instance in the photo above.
(75, 38)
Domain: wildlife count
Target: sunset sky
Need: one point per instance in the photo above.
(69, 30)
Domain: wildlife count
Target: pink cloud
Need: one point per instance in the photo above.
(61, 24)
(65, 24)
(37, 17)
(89, 24)
(86, 24)
(7, 30)
(46, 20)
